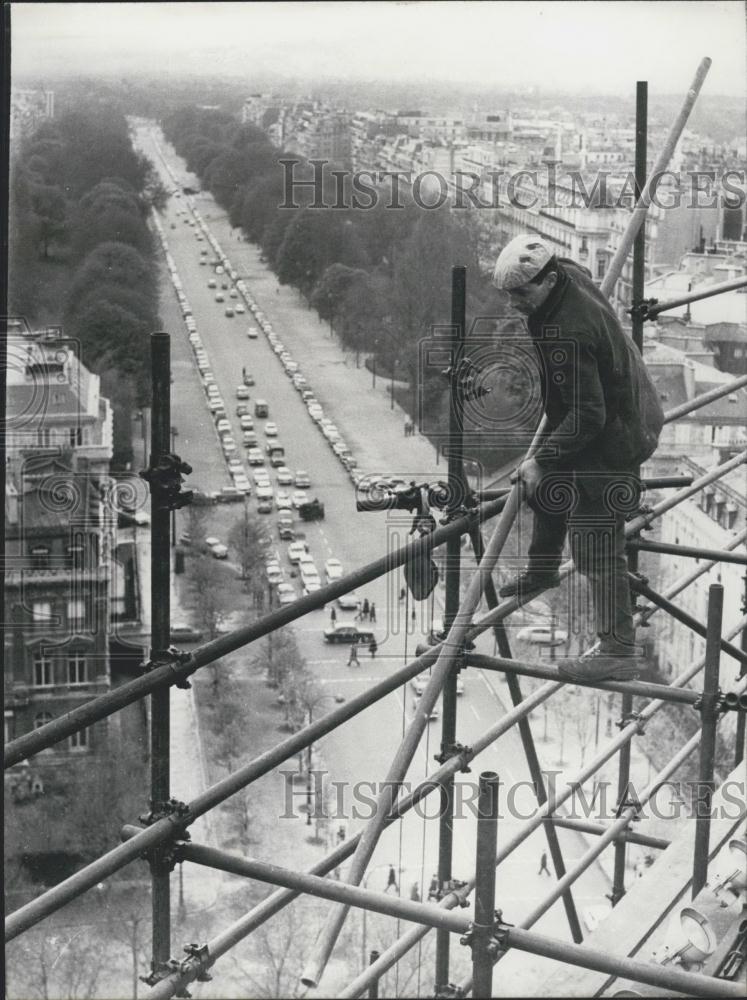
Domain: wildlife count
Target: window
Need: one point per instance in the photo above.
(601, 267)
(76, 554)
(76, 613)
(43, 675)
(39, 556)
(75, 436)
(77, 669)
(44, 437)
(42, 719)
(79, 740)
(41, 611)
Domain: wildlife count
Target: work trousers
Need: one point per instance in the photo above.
(590, 509)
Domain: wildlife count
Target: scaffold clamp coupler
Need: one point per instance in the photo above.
(165, 481)
(156, 975)
(501, 930)
(444, 991)
(629, 801)
(640, 309)
(627, 717)
(171, 657)
(456, 750)
(199, 955)
(164, 857)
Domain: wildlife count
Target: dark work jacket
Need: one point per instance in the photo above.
(603, 409)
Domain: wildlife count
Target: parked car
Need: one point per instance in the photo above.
(242, 483)
(271, 429)
(342, 632)
(302, 480)
(181, 632)
(228, 494)
(255, 457)
(264, 492)
(284, 476)
(299, 498)
(264, 506)
(242, 410)
(286, 593)
(296, 550)
(283, 501)
(223, 426)
(274, 573)
(249, 439)
(219, 551)
(543, 635)
(261, 409)
(333, 570)
(242, 392)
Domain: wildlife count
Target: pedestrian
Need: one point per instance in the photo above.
(414, 615)
(415, 893)
(372, 648)
(402, 594)
(243, 371)
(333, 615)
(603, 420)
(365, 609)
(340, 833)
(433, 889)
(391, 881)
(372, 612)
(407, 428)
(353, 658)
(543, 865)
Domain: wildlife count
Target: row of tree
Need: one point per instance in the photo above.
(83, 251)
(381, 276)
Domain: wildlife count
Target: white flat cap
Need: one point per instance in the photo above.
(520, 261)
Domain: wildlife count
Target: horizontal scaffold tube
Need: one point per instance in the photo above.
(641, 689)
(689, 983)
(107, 704)
(706, 292)
(690, 552)
(632, 836)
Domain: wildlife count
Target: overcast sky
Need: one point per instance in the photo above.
(593, 46)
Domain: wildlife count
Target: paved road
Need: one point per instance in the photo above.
(362, 749)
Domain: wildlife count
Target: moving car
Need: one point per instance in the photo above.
(302, 481)
(255, 457)
(219, 551)
(248, 378)
(283, 501)
(252, 333)
(242, 410)
(261, 408)
(284, 476)
(264, 506)
(220, 297)
(240, 310)
(418, 683)
(229, 312)
(299, 498)
(333, 570)
(342, 632)
(228, 494)
(349, 601)
(246, 422)
(242, 392)
(296, 550)
(271, 430)
(249, 439)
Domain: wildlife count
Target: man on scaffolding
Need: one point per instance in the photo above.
(603, 419)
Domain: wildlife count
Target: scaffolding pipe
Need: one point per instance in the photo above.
(632, 837)
(160, 610)
(740, 734)
(654, 308)
(709, 722)
(642, 205)
(482, 929)
(403, 758)
(705, 398)
(457, 494)
(692, 984)
(641, 689)
(530, 751)
(689, 551)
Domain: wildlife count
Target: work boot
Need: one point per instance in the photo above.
(602, 665)
(529, 582)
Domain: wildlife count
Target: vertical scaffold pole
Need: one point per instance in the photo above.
(373, 989)
(483, 953)
(639, 274)
(453, 549)
(530, 750)
(160, 569)
(739, 750)
(708, 722)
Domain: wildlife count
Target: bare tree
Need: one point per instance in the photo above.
(46, 964)
(248, 539)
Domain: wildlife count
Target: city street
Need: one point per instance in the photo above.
(360, 751)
